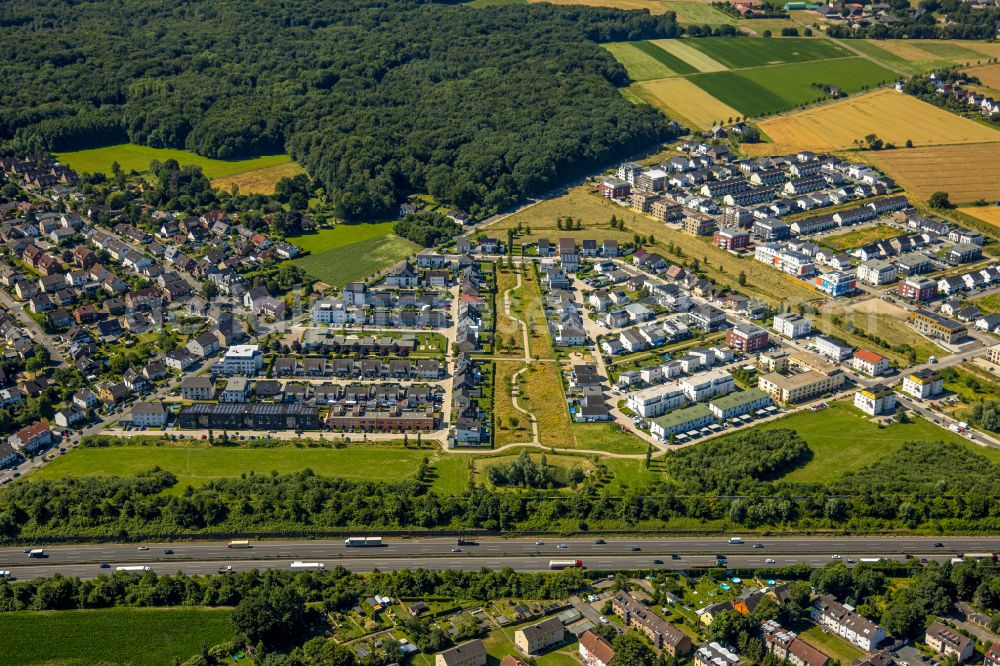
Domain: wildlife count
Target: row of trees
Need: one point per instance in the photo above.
(923, 485)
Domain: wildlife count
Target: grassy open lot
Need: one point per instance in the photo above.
(843, 440)
(967, 173)
(110, 636)
(859, 237)
(354, 261)
(594, 214)
(698, 60)
(134, 157)
(631, 474)
(509, 335)
(762, 91)
(988, 214)
(340, 235)
(700, 13)
(988, 303)
(833, 646)
(450, 475)
(511, 425)
(543, 396)
(526, 304)
(878, 319)
(606, 437)
(894, 117)
(258, 181)
(741, 53)
(197, 465)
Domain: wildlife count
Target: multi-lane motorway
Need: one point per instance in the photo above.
(524, 555)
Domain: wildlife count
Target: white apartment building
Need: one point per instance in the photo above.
(656, 400)
(240, 360)
(708, 385)
(843, 621)
(792, 325)
(876, 272)
(835, 350)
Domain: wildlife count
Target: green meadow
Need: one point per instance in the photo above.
(132, 157)
(740, 53)
(764, 91)
(124, 636)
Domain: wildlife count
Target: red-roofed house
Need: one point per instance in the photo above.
(870, 363)
(32, 438)
(594, 650)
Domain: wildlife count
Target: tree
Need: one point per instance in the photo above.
(630, 650)
(742, 279)
(939, 200)
(209, 290)
(274, 615)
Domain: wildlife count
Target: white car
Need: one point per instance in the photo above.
(143, 547)
(769, 560)
(835, 557)
(603, 619)
(562, 545)
(539, 543)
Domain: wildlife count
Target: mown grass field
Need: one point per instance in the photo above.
(743, 53)
(339, 259)
(894, 117)
(967, 173)
(834, 646)
(914, 56)
(258, 181)
(134, 157)
(127, 636)
(683, 100)
(606, 437)
(843, 440)
(700, 13)
(681, 49)
(764, 91)
(198, 465)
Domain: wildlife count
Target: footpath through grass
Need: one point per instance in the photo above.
(134, 157)
(110, 636)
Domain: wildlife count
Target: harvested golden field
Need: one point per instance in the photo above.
(989, 76)
(988, 214)
(954, 50)
(692, 56)
(259, 181)
(684, 100)
(966, 173)
(894, 117)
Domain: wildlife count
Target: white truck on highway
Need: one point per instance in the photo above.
(308, 566)
(36, 552)
(565, 564)
(136, 568)
(363, 541)
(735, 539)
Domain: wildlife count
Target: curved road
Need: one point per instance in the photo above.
(523, 555)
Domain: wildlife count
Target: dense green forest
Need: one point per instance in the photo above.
(375, 98)
(924, 485)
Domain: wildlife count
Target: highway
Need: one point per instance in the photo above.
(523, 555)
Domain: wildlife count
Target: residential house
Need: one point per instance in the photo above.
(148, 415)
(875, 400)
(846, 623)
(869, 362)
(595, 650)
(663, 635)
(947, 641)
(31, 439)
(922, 384)
(472, 653)
(536, 638)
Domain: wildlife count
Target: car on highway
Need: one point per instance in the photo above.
(562, 546)
(143, 548)
(850, 561)
(539, 543)
(635, 549)
(226, 569)
(939, 545)
(758, 545)
(600, 542)
(657, 561)
(835, 557)
(168, 551)
(105, 565)
(769, 560)
(456, 550)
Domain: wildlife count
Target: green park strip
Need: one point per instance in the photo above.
(111, 636)
(131, 157)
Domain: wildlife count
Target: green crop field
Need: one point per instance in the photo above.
(748, 52)
(842, 440)
(665, 58)
(110, 636)
(764, 91)
(133, 157)
(199, 465)
(700, 13)
(341, 264)
(341, 235)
